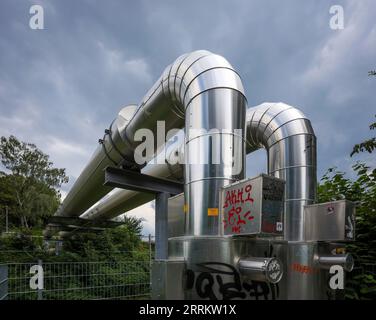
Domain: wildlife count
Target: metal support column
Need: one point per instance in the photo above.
(161, 226)
(162, 188)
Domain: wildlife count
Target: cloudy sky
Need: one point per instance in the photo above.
(61, 86)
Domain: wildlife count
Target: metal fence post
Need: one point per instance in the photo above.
(3, 282)
(150, 259)
(6, 220)
(40, 291)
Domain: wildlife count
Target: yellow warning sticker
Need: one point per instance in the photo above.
(213, 211)
(185, 208)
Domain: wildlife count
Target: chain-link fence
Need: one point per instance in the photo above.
(76, 280)
(119, 275)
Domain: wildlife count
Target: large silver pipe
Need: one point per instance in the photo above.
(122, 200)
(209, 93)
(89, 188)
(199, 90)
(290, 142)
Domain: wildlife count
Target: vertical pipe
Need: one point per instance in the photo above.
(215, 156)
(290, 142)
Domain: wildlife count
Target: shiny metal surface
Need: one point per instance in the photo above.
(212, 268)
(206, 171)
(120, 200)
(290, 142)
(89, 188)
(330, 221)
(292, 158)
(198, 90)
(304, 279)
(167, 280)
(261, 269)
(344, 260)
(176, 216)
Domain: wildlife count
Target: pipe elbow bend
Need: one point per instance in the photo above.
(194, 73)
(269, 123)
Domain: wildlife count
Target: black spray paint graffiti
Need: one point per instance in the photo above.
(221, 281)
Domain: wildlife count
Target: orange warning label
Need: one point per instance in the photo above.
(213, 211)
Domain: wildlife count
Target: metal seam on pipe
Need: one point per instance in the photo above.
(216, 133)
(292, 167)
(160, 100)
(107, 153)
(176, 74)
(258, 124)
(251, 142)
(287, 122)
(280, 126)
(112, 141)
(302, 150)
(189, 67)
(251, 137)
(214, 89)
(293, 135)
(275, 116)
(209, 178)
(201, 73)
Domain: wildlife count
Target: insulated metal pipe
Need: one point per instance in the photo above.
(261, 269)
(121, 200)
(290, 142)
(344, 260)
(200, 91)
(89, 188)
(294, 154)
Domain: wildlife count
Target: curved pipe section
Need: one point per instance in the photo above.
(290, 142)
(289, 139)
(201, 91)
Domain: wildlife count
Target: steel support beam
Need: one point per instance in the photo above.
(162, 188)
(131, 180)
(79, 222)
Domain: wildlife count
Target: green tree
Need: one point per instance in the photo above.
(367, 145)
(29, 185)
(111, 244)
(362, 191)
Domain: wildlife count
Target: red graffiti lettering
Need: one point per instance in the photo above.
(297, 267)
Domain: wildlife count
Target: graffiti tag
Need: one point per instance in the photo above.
(234, 214)
(221, 281)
